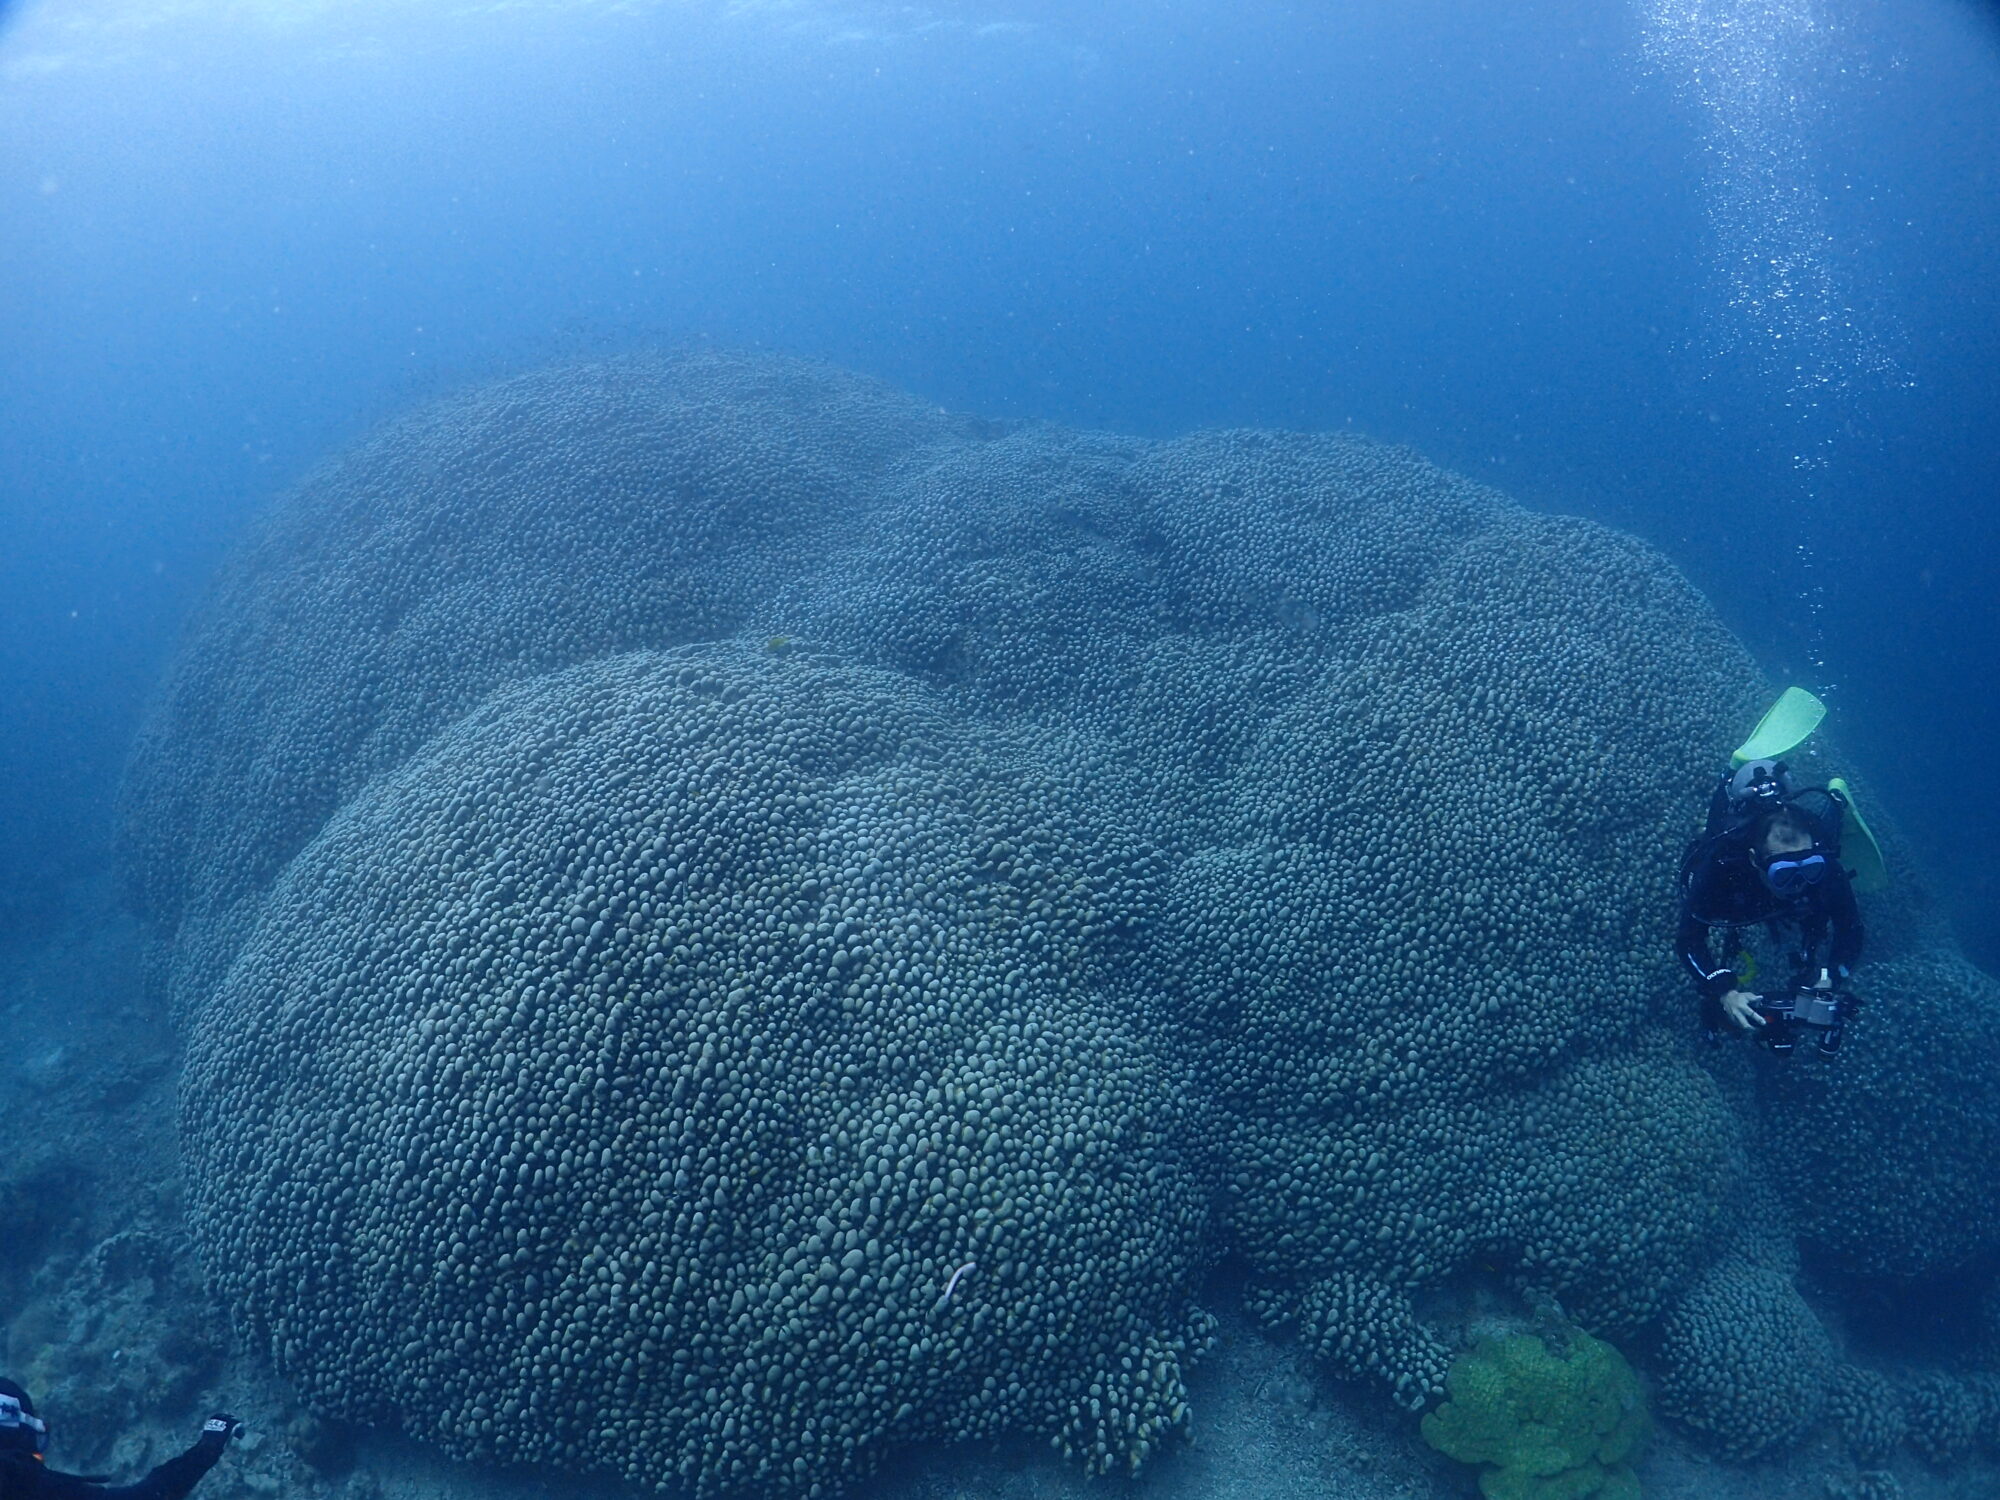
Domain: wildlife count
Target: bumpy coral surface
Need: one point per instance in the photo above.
(543, 521)
(1916, 1110)
(1748, 1361)
(664, 841)
(706, 1065)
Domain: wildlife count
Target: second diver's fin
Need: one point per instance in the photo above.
(1791, 719)
(1858, 849)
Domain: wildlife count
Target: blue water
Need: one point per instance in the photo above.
(1510, 236)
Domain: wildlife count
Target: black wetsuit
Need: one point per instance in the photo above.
(23, 1477)
(1722, 890)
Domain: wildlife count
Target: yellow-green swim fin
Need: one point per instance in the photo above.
(1858, 849)
(1791, 719)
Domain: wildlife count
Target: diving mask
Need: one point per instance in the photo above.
(1795, 872)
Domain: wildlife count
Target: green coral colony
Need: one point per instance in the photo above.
(1549, 1418)
(728, 921)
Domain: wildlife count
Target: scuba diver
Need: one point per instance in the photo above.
(23, 1435)
(1788, 859)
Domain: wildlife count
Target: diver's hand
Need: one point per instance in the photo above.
(1739, 1006)
(220, 1428)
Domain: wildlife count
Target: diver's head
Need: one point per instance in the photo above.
(1787, 854)
(1783, 832)
(21, 1431)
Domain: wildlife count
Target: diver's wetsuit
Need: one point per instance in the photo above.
(23, 1477)
(1721, 889)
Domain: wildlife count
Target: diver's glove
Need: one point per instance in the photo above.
(218, 1429)
(1740, 1006)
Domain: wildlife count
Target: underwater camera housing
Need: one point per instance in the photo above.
(1807, 1011)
